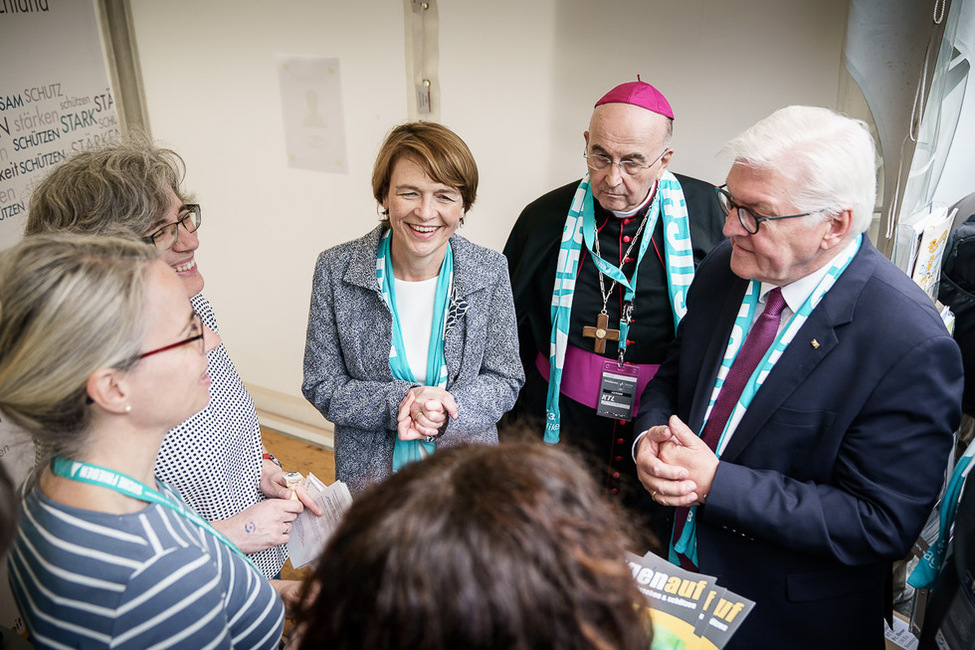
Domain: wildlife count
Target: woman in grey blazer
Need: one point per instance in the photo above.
(412, 342)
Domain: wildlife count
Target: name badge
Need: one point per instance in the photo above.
(617, 389)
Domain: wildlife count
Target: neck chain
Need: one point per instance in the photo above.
(602, 284)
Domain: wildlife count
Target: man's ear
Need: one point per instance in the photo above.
(840, 226)
(585, 136)
(665, 160)
(106, 388)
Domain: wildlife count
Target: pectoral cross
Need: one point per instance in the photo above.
(601, 332)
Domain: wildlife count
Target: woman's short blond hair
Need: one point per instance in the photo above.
(439, 151)
(69, 305)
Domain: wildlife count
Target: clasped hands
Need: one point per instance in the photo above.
(424, 413)
(675, 465)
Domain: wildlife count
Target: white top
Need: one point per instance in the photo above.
(414, 305)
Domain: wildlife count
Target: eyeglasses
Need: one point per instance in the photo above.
(165, 237)
(196, 328)
(631, 167)
(748, 219)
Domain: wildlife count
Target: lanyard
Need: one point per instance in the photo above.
(77, 470)
(615, 273)
(782, 339)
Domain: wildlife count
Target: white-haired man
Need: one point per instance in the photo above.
(823, 385)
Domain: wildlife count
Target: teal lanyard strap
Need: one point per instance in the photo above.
(77, 470)
(782, 339)
(614, 272)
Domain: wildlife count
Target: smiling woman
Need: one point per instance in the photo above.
(411, 336)
(423, 214)
(101, 354)
(213, 458)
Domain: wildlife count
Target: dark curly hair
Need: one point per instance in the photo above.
(506, 546)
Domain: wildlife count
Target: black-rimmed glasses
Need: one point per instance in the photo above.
(749, 220)
(165, 237)
(600, 162)
(197, 329)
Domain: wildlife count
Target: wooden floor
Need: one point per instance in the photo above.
(299, 456)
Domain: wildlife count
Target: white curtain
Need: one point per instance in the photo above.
(911, 60)
(943, 167)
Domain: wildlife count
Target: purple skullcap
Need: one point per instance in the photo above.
(639, 93)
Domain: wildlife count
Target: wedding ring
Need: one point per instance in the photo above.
(430, 439)
(653, 495)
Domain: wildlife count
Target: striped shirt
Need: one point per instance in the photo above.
(151, 579)
(214, 459)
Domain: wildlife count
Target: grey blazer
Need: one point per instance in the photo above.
(347, 375)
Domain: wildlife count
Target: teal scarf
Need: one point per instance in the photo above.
(925, 574)
(408, 451)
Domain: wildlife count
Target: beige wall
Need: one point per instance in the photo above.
(518, 80)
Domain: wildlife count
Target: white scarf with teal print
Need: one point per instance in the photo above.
(580, 227)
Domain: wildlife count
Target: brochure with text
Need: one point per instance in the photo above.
(690, 611)
(309, 533)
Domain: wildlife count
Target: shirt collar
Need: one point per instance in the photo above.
(797, 292)
(646, 202)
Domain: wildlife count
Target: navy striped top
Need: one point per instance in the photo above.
(150, 579)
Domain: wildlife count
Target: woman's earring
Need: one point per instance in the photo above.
(462, 221)
(128, 408)
(383, 213)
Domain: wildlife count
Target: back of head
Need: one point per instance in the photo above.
(830, 157)
(505, 546)
(442, 154)
(69, 304)
(120, 189)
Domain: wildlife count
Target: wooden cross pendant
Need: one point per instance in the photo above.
(601, 332)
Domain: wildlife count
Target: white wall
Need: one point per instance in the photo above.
(518, 81)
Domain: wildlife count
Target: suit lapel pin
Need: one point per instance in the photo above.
(815, 344)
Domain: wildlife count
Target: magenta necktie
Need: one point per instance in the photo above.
(760, 337)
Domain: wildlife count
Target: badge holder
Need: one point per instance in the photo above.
(617, 390)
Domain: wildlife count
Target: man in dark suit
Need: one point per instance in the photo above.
(824, 386)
